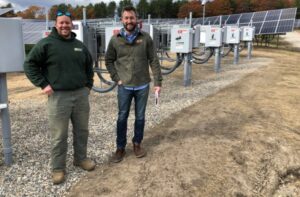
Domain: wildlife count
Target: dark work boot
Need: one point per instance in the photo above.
(119, 155)
(138, 150)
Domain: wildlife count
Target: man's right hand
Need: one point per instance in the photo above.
(119, 82)
(48, 90)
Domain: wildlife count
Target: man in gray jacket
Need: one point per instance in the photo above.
(128, 57)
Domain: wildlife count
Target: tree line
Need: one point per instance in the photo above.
(156, 8)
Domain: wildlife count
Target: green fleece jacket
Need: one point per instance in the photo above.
(64, 64)
(130, 62)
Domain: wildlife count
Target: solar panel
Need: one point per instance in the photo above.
(246, 18)
(233, 19)
(33, 30)
(5, 10)
(225, 18)
(288, 13)
(257, 27)
(269, 27)
(273, 15)
(259, 16)
(211, 20)
(285, 26)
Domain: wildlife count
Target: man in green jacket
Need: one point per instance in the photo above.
(63, 68)
(128, 57)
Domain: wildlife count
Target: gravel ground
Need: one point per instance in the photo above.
(30, 173)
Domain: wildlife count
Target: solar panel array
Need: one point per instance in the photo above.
(5, 10)
(265, 22)
(33, 30)
(297, 23)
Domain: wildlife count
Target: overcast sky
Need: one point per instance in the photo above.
(20, 5)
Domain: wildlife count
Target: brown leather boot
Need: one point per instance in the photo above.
(58, 177)
(119, 155)
(138, 150)
(86, 164)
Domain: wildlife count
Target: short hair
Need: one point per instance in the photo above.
(129, 9)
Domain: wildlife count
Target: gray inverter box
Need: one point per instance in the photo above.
(181, 39)
(231, 35)
(110, 32)
(247, 33)
(12, 51)
(213, 37)
(196, 36)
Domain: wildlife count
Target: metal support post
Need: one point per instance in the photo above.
(187, 69)
(249, 49)
(217, 59)
(236, 54)
(191, 19)
(149, 19)
(84, 16)
(4, 113)
(47, 19)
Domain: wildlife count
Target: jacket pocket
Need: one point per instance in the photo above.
(54, 73)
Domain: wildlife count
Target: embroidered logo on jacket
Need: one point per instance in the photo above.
(139, 41)
(77, 49)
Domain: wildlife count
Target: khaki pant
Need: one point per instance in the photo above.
(62, 107)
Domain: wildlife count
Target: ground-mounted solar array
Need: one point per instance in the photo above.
(5, 10)
(265, 22)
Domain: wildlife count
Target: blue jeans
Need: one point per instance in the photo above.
(124, 102)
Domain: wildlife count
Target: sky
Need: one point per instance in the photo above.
(21, 5)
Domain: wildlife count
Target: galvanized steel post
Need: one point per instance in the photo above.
(4, 113)
(249, 49)
(187, 80)
(217, 59)
(236, 54)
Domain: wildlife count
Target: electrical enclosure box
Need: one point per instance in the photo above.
(78, 30)
(153, 32)
(203, 33)
(149, 29)
(247, 33)
(12, 53)
(90, 41)
(181, 39)
(110, 32)
(213, 37)
(231, 35)
(196, 36)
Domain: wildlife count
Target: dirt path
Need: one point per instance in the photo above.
(293, 38)
(242, 141)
